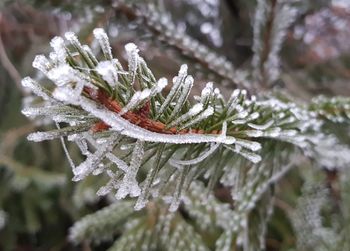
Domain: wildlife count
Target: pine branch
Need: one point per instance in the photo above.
(154, 229)
(25, 174)
(103, 224)
(160, 24)
(120, 117)
(272, 19)
(335, 109)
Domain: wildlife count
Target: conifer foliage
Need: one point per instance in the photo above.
(163, 150)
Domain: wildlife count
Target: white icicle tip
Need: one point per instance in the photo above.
(41, 63)
(99, 32)
(183, 69)
(62, 75)
(108, 72)
(131, 47)
(70, 36)
(197, 108)
(161, 83)
(57, 43)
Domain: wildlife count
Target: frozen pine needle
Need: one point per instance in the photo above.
(103, 111)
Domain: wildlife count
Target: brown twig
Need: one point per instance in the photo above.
(136, 118)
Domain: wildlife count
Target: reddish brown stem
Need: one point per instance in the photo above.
(139, 118)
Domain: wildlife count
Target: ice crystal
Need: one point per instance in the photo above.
(108, 72)
(103, 40)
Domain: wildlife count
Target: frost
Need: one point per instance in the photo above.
(178, 80)
(201, 116)
(41, 136)
(57, 43)
(185, 91)
(36, 88)
(161, 84)
(136, 100)
(133, 131)
(92, 160)
(62, 75)
(88, 51)
(251, 145)
(203, 156)
(103, 40)
(132, 53)
(129, 184)
(42, 63)
(261, 127)
(108, 71)
(72, 38)
(196, 109)
(254, 133)
(85, 96)
(253, 157)
(206, 93)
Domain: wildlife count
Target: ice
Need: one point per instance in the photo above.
(129, 185)
(119, 162)
(206, 92)
(132, 53)
(49, 110)
(261, 127)
(92, 160)
(62, 75)
(82, 144)
(41, 136)
(254, 133)
(104, 190)
(197, 108)
(57, 43)
(91, 55)
(128, 129)
(273, 132)
(108, 71)
(203, 115)
(103, 41)
(135, 100)
(253, 157)
(251, 145)
(243, 114)
(42, 63)
(177, 81)
(161, 84)
(183, 71)
(203, 156)
(37, 88)
(231, 103)
(100, 168)
(72, 38)
(65, 150)
(184, 92)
